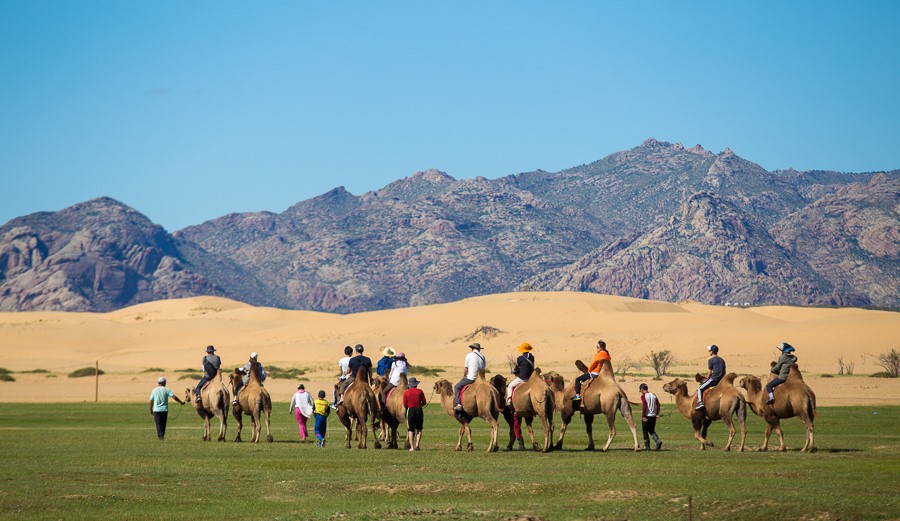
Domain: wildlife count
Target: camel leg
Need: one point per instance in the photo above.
(269, 437)
(742, 419)
(810, 428)
(255, 426)
(528, 421)
(700, 430)
(765, 446)
(206, 428)
(625, 409)
(562, 430)
(727, 420)
(508, 416)
(462, 429)
(375, 440)
(611, 424)
(470, 445)
(240, 424)
(589, 428)
(223, 425)
(495, 427)
(706, 423)
(781, 446)
(548, 433)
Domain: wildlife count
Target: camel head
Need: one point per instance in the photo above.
(498, 382)
(750, 383)
(188, 395)
(673, 386)
(443, 387)
(554, 380)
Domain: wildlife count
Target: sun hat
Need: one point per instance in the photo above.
(476, 345)
(786, 348)
(161, 380)
(387, 351)
(400, 356)
(254, 355)
(713, 348)
(210, 349)
(643, 387)
(413, 382)
(525, 347)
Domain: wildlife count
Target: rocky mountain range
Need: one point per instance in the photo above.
(658, 221)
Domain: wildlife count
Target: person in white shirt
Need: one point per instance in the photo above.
(649, 413)
(399, 366)
(344, 365)
(302, 408)
(474, 362)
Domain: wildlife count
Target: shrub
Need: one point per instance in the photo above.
(826, 375)
(153, 370)
(187, 371)
(882, 374)
(35, 371)
(6, 377)
(845, 367)
(273, 371)
(660, 361)
(421, 370)
(85, 371)
(890, 362)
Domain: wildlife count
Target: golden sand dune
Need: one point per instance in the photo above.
(173, 334)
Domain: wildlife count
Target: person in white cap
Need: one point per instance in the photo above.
(474, 362)
(716, 373)
(246, 378)
(159, 406)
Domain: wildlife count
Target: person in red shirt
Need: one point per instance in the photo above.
(413, 401)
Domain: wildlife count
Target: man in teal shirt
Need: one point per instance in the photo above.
(159, 406)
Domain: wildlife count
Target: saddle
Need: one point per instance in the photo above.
(587, 384)
(388, 395)
(463, 390)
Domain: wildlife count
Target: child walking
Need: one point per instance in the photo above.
(322, 410)
(413, 401)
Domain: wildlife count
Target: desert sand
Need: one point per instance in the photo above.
(136, 345)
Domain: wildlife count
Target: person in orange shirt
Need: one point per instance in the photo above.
(594, 369)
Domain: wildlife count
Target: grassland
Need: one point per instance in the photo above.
(102, 461)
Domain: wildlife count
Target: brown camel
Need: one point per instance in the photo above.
(359, 405)
(792, 398)
(478, 400)
(722, 402)
(601, 395)
(215, 401)
(534, 398)
(254, 401)
(498, 382)
(391, 409)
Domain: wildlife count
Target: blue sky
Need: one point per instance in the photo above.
(191, 110)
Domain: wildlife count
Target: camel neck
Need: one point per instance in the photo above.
(684, 401)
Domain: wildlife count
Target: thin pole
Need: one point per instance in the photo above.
(690, 508)
(96, 380)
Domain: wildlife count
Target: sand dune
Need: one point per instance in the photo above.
(172, 335)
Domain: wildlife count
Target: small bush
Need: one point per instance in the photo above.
(6, 377)
(85, 371)
(186, 371)
(274, 371)
(660, 361)
(421, 370)
(153, 370)
(826, 375)
(190, 377)
(890, 362)
(882, 374)
(4, 370)
(35, 371)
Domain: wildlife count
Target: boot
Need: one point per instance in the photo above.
(646, 445)
(658, 445)
(521, 445)
(771, 399)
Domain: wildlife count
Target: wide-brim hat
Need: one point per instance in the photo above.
(476, 345)
(525, 347)
(210, 349)
(413, 382)
(387, 351)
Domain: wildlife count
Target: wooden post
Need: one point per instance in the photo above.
(690, 508)
(96, 380)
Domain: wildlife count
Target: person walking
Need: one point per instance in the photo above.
(593, 370)
(210, 366)
(473, 363)
(649, 413)
(322, 409)
(523, 369)
(782, 368)
(413, 401)
(159, 406)
(302, 408)
(716, 367)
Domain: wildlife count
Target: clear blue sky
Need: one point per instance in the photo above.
(191, 110)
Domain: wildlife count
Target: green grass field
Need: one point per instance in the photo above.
(103, 461)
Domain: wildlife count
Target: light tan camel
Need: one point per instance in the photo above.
(792, 398)
(601, 395)
(479, 400)
(722, 402)
(391, 409)
(215, 401)
(254, 401)
(534, 398)
(359, 405)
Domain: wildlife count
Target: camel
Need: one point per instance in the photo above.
(722, 402)
(253, 400)
(215, 401)
(601, 395)
(498, 382)
(478, 400)
(391, 409)
(792, 398)
(534, 398)
(359, 405)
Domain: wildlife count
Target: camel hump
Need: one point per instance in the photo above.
(480, 376)
(728, 379)
(581, 367)
(404, 381)
(795, 372)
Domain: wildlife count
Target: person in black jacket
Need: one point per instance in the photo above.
(523, 369)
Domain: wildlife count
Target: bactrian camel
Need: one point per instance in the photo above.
(792, 398)
(498, 382)
(391, 408)
(479, 400)
(254, 401)
(601, 395)
(361, 406)
(722, 402)
(533, 398)
(215, 401)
